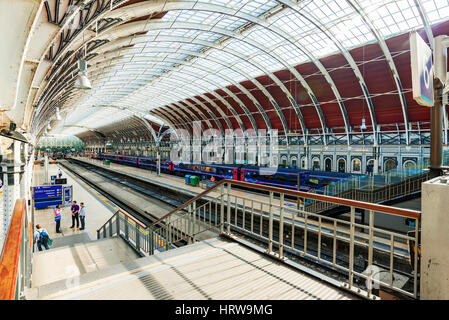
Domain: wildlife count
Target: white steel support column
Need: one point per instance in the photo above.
(434, 283)
(11, 172)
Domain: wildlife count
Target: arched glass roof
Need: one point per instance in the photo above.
(184, 59)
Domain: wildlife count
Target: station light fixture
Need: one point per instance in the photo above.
(81, 81)
(13, 134)
(363, 126)
(58, 115)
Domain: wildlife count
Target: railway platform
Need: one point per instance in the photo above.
(98, 207)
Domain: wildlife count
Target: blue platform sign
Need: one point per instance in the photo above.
(45, 196)
(422, 70)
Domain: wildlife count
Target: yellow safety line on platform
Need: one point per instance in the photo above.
(91, 190)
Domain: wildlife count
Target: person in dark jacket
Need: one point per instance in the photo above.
(75, 215)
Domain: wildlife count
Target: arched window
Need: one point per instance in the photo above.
(303, 163)
(409, 164)
(370, 167)
(341, 165)
(316, 163)
(283, 161)
(294, 162)
(356, 165)
(328, 164)
(390, 165)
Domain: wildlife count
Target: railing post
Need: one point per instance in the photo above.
(137, 238)
(151, 244)
(126, 228)
(270, 224)
(117, 217)
(222, 209)
(370, 248)
(169, 227)
(110, 228)
(351, 248)
(281, 227)
(415, 262)
(194, 220)
(189, 221)
(228, 219)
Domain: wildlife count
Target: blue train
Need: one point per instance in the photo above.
(310, 180)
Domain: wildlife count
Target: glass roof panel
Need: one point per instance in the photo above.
(153, 69)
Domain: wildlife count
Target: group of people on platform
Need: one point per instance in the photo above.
(41, 237)
(78, 214)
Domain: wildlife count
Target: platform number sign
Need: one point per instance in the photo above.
(422, 70)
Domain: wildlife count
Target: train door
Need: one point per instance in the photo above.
(171, 167)
(242, 175)
(235, 174)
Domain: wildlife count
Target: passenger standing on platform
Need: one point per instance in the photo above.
(58, 218)
(60, 173)
(41, 237)
(82, 214)
(75, 212)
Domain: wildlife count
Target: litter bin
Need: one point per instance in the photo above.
(107, 162)
(195, 181)
(188, 176)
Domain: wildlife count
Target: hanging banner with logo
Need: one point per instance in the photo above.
(422, 70)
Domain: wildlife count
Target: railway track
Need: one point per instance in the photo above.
(172, 201)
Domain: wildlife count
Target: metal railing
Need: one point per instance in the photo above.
(177, 229)
(15, 261)
(406, 187)
(365, 254)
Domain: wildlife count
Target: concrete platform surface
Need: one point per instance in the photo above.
(98, 209)
(80, 258)
(211, 269)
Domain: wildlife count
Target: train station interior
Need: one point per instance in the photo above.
(224, 150)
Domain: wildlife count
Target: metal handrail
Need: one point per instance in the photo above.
(15, 269)
(384, 193)
(341, 201)
(126, 214)
(265, 219)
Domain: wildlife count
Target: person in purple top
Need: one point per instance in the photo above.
(75, 215)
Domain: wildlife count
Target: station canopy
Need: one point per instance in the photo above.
(306, 66)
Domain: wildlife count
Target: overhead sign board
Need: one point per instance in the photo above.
(422, 70)
(45, 196)
(61, 181)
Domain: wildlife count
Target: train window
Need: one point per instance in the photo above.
(325, 183)
(256, 176)
(281, 177)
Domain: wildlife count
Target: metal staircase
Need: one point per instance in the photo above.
(359, 252)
